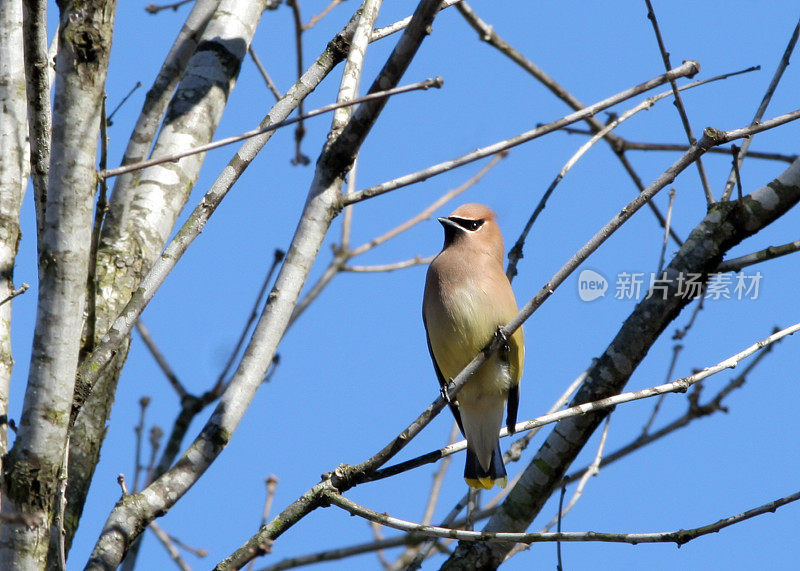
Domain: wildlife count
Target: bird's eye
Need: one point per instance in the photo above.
(468, 223)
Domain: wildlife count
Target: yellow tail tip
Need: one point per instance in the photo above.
(486, 483)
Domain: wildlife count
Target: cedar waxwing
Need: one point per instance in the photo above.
(467, 298)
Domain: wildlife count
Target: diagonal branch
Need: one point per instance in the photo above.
(515, 254)
(724, 226)
(347, 476)
(651, 15)
(129, 517)
(617, 144)
(773, 84)
(687, 69)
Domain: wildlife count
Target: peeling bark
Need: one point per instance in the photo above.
(143, 215)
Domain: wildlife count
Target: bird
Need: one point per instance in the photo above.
(467, 299)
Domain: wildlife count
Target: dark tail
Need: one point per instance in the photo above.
(477, 477)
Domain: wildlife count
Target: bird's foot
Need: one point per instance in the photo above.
(504, 349)
(445, 393)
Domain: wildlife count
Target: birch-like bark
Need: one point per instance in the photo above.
(30, 475)
(98, 360)
(724, 226)
(143, 216)
(13, 179)
(133, 512)
(155, 104)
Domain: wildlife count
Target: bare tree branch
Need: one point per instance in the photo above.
(687, 69)
(33, 464)
(174, 157)
(127, 519)
(678, 537)
(651, 15)
(694, 411)
(724, 226)
(263, 71)
(773, 85)
(736, 264)
(37, 68)
(487, 33)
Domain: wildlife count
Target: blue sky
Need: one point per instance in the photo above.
(355, 368)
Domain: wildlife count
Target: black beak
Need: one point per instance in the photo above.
(450, 230)
(447, 223)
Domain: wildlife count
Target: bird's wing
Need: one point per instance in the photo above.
(443, 382)
(516, 357)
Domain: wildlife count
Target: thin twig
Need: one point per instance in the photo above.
(169, 546)
(676, 349)
(109, 121)
(277, 258)
(639, 146)
(122, 485)
(438, 479)
(773, 84)
(19, 291)
(415, 261)
(139, 432)
(300, 131)
(687, 69)
(735, 161)
(679, 385)
(681, 333)
(376, 533)
(381, 33)
(347, 213)
(736, 264)
(651, 15)
(263, 71)
(155, 8)
(343, 552)
(196, 551)
(593, 470)
(666, 231)
(155, 444)
(559, 564)
(272, 485)
(489, 35)
(160, 359)
(423, 85)
(678, 537)
(316, 19)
